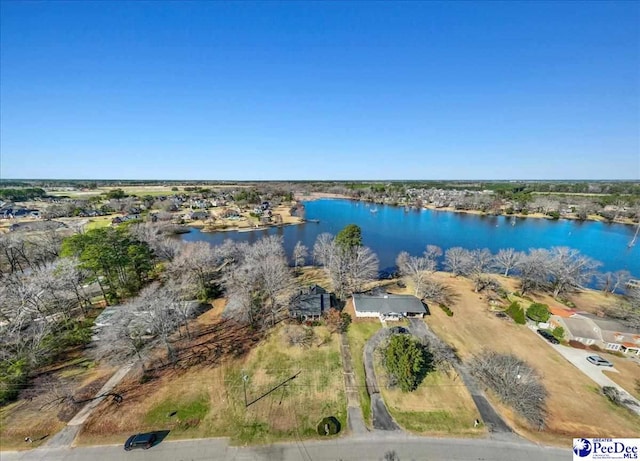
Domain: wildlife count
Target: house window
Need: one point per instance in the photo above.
(613, 346)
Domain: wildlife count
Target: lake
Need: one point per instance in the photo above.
(390, 230)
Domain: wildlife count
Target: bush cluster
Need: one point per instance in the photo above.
(538, 312)
(446, 310)
(516, 312)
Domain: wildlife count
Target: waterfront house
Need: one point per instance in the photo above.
(388, 306)
(311, 304)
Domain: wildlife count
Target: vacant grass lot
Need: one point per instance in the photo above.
(209, 402)
(575, 408)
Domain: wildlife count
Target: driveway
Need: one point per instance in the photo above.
(578, 357)
(382, 419)
(355, 421)
(489, 415)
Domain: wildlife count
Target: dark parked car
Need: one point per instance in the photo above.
(144, 441)
(548, 336)
(597, 360)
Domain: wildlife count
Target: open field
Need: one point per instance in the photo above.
(575, 407)
(209, 401)
(138, 190)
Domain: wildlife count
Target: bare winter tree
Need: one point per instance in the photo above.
(157, 236)
(268, 262)
(534, 270)
(348, 269)
(432, 253)
(124, 337)
(610, 282)
(457, 260)
(300, 253)
(480, 261)
(157, 312)
(569, 270)
(259, 282)
(417, 269)
(515, 382)
(507, 260)
(72, 279)
(438, 292)
(362, 267)
(199, 264)
(323, 248)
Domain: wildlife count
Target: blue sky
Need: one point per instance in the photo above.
(323, 90)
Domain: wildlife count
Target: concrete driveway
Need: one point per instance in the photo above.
(578, 358)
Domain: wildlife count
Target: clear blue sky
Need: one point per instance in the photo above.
(212, 90)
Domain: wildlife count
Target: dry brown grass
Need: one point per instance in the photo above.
(574, 404)
(628, 376)
(42, 415)
(440, 406)
(288, 413)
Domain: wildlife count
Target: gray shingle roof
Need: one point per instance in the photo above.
(582, 328)
(388, 304)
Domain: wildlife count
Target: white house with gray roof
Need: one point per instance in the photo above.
(388, 306)
(605, 333)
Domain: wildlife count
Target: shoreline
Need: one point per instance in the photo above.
(591, 218)
(203, 228)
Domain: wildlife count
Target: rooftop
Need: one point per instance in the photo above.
(388, 304)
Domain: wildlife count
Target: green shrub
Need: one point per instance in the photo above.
(328, 426)
(538, 312)
(407, 361)
(13, 375)
(446, 310)
(558, 333)
(516, 312)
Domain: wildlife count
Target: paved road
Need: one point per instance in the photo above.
(369, 447)
(382, 419)
(489, 415)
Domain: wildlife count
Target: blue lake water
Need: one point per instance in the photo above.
(391, 230)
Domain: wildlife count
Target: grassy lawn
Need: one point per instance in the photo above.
(441, 405)
(98, 222)
(209, 401)
(573, 407)
(359, 332)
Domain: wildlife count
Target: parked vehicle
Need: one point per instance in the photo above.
(548, 336)
(599, 361)
(144, 441)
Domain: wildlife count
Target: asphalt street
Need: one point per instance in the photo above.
(372, 446)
